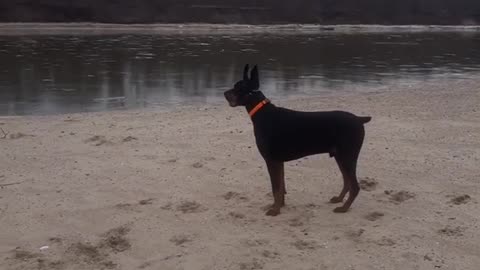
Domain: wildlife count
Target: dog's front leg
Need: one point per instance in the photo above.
(276, 171)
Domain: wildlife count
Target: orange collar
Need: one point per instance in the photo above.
(258, 107)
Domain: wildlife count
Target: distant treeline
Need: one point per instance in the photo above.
(440, 12)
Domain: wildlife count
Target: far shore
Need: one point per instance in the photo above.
(217, 29)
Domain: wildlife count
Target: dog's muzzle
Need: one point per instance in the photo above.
(231, 98)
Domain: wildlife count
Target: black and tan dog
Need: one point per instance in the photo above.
(284, 135)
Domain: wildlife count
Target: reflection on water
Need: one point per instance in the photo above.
(51, 74)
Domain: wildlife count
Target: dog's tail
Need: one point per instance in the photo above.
(364, 119)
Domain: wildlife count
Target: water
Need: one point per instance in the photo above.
(44, 74)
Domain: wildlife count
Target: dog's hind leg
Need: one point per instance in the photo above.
(346, 183)
(276, 171)
(347, 162)
(348, 167)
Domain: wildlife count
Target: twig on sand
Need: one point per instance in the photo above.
(4, 133)
(10, 184)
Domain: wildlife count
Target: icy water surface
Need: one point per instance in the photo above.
(43, 74)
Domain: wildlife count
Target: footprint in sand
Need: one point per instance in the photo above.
(368, 184)
(296, 222)
(167, 206)
(115, 239)
(98, 140)
(197, 165)
(374, 216)
(256, 242)
(428, 257)
(234, 195)
(354, 235)
(305, 245)
(145, 265)
(149, 264)
(169, 257)
(231, 194)
(79, 254)
(255, 264)
(22, 259)
(385, 242)
(301, 219)
(270, 254)
(236, 215)
(181, 239)
(132, 206)
(51, 265)
(24, 255)
(191, 207)
(458, 200)
(452, 231)
(129, 139)
(399, 196)
(55, 240)
(86, 252)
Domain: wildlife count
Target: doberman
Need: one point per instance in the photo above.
(284, 135)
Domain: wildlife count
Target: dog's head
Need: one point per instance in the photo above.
(238, 96)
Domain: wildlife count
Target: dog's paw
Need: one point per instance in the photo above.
(336, 200)
(340, 209)
(273, 212)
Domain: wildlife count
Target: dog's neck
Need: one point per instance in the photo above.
(256, 101)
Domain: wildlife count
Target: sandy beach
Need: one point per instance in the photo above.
(185, 188)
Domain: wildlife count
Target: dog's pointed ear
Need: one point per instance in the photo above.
(245, 72)
(254, 79)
